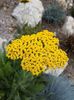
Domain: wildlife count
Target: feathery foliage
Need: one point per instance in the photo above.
(28, 30)
(16, 84)
(58, 89)
(72, 11)
(54, 13)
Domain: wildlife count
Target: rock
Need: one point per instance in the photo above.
(70, 3)
(68, 27)
(3, 42)
(55, 72)
(29, 13)
(66, 3)
(62, 3)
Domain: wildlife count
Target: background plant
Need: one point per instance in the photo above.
(54, 13)
(59, 88)
(24, 1)
(72, 11)
(28, 30)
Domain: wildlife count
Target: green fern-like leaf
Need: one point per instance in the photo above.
(27, 30)
(16, 84)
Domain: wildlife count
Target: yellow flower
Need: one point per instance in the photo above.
(24, 0)
(37, 52)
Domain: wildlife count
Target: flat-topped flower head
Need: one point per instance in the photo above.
(37, 52)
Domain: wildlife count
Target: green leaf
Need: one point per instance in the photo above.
(17, 96)
(8, 69)
(1, 74)
(39, 87)
(1, 95)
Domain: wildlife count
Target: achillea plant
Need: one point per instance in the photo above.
(37, 52)
(16, 84)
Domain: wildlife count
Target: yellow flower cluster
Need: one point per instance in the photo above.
(37, 52)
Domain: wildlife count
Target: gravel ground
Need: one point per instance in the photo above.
(7, 22)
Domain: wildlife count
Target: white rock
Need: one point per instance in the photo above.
(56, 72)
(2, 41)
(70, 3)
(29, 13)
(68, 27)
(63, 3)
